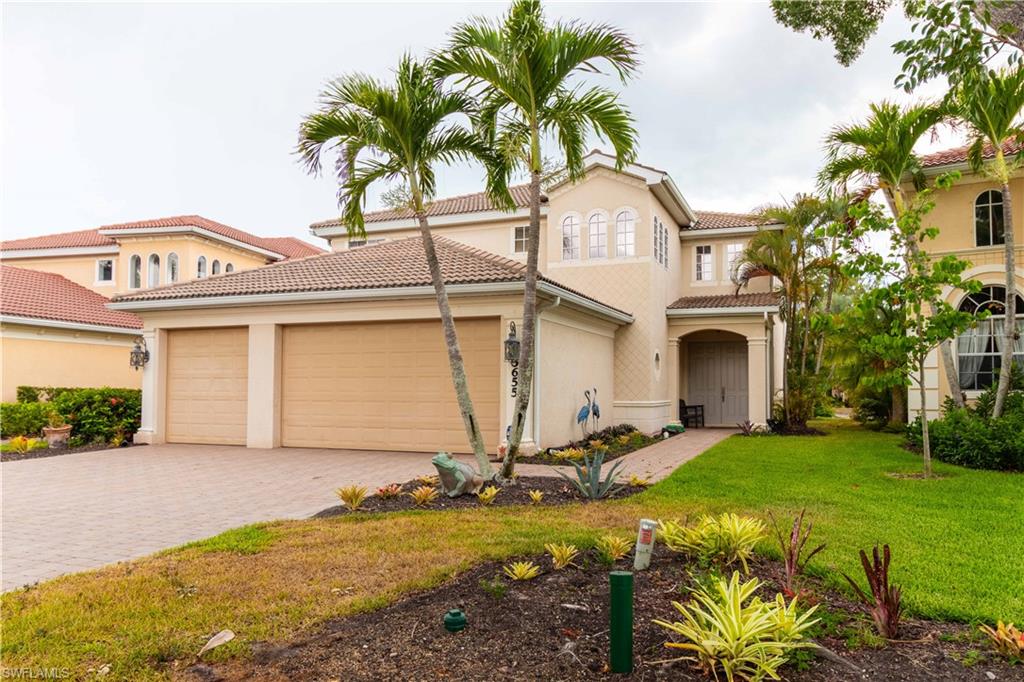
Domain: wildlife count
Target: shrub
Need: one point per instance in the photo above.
(611, 548)
(23, 419)
(98, 414)
(1007, 640)
(732, 631)
(522, 570)
(884, 602)
(423, 495)
(562, 554)
(352, 496)
(588, 477)
(487, 495)
(724, 539)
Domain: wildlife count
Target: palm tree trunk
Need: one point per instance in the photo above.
(451, 340)
(526, 352)
(1010, 323)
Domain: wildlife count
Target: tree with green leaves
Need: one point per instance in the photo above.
(527, 75)
(989, 105)
(878, 154)
(399, 133)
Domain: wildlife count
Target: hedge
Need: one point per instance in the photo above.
(95, 414)
(23, 419)
(41, 394)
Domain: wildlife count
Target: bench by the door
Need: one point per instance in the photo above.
(691, 415)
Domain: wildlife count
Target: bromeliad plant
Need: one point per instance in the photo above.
(638, 481)
(611, 548)
(724, 539)
(522, 570)
(352, 496)
(1007, 640)
(389, 491)
(423, 495)
(884, 602)
(487, 495)
(729, 630)
(536, 496)
(562, 555)
(429, 479)
(792, 547)
(588, 477)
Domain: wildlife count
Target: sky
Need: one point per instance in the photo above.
(123, 112)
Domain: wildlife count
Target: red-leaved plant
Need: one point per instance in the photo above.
(792, 547)
(884, 602)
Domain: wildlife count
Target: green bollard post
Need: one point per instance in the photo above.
(621, 621)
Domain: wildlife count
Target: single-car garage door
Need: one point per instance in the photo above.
(386, 385)
(207, 385)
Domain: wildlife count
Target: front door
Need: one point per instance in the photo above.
(717, 379)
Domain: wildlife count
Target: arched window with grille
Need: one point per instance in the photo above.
(215, 267)
(988, 218)
(597, 236)
(570, 238)
(978, 349)
(229, 268)
(135, 272)
(201, 267)
(153, 271)
(172, 268)
(625, 234)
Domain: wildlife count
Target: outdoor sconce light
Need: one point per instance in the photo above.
(512, 345)
(139, 355)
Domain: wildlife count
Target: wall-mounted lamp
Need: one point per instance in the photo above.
(512, 344)
(139, 355)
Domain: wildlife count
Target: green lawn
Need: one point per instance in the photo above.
(957, 548)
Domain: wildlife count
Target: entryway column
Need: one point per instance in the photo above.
(672, 367)
(154, 375)
(263, 417)
(757, 379)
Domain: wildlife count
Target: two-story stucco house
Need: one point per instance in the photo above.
(56, 329)
(345, 349)
(970, 221)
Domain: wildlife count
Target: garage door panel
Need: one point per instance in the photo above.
(207, 385)
(386, 385)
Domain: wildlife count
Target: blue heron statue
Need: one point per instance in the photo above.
(584, 414)
(595, 411)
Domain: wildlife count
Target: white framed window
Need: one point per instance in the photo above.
(520, 238)
(988, 219)
(215, 267)
(625, 234)
(570, 238)
(664, 246)
(153, 271)
(135, 272)
(657, 239)
(597, 233)
(105, 271)
(980, 348)
(732, 254)
(201, 267)
(229, 268)
(172, 268)
(705, 270)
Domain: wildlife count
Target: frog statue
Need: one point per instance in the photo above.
(456, 477)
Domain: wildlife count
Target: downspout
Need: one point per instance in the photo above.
(536, 368)
(768, 362)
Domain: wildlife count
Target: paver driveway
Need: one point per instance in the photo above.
(74, 512)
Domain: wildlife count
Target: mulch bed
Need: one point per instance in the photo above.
(57, 452)
(555, 488)
(555, 627)
(613, 452)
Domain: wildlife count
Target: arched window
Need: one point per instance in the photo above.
(978, 349)
(598, 233)
(229, 268)
(625, 234)
(153, 271)
(988, 218)
(172, 268)
(201, 267)
(135, 272)
(570, 238)
(215, 267)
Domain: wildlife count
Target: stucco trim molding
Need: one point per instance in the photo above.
(328, 231)
(191, 229)
(642, 403)
(698, 233)
(73, 326)
(710, 312)
(59, 251)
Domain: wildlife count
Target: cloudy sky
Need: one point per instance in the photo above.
(119, 112)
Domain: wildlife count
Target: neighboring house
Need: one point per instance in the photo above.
(56, 330)
(970, 221)
(345, 349)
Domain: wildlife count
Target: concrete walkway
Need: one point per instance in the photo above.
(74, 512)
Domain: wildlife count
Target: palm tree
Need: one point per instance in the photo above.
(879, 154)
(398, 133)
(522, 68)
(989, 104)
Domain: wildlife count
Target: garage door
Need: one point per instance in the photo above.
(386, 386)
(207, 384)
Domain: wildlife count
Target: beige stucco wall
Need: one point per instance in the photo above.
(37, 356)
(79, 269)
(721, 283)
(188, 249)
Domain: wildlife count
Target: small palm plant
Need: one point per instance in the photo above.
(588, 477)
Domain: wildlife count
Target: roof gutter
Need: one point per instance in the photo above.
(73, 326)
(725, 310)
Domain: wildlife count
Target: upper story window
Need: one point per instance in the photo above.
(625, 234)
(153, 271)
(979, 348)
(988, 218)
(664, 246)
(229, 268)
(732, 255)
(570, 238)
(215, 267)
(105, 271)
(201, 267)
(660, 242)
(135, 272)
(520, 238)
(704, 271)
(172, 268)
(657, 239)
(598, 236)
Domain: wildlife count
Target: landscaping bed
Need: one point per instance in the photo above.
(40, 452)
(556, 491)
(556, 627)
(615, 441)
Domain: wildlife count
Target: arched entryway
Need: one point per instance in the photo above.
(715, 375)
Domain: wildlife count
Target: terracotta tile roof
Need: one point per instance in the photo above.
(399, 263)
(194, 221)
(44, 295)
(292, 247)
(959, 154)
(465, 203)
(711, 220)
(63, 240)
(725, 301)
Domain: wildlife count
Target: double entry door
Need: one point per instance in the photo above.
(717, 379)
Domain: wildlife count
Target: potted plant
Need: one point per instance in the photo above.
(57, 430)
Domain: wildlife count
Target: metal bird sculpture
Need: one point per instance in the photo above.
(584, 414)
(595, 412)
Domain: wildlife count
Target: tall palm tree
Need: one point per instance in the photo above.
(398, 132)
(879, 154)
(989, 104)
(523, 69)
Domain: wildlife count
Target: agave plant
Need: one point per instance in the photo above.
(588, 477)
